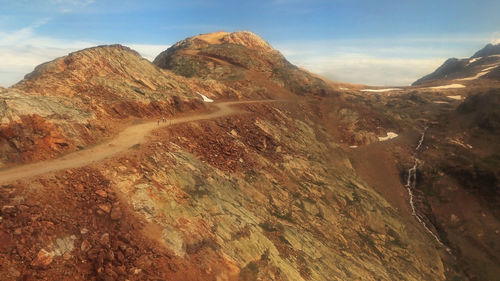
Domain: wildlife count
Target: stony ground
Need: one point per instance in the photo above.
(259, 196)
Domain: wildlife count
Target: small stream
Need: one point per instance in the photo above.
(410, 185)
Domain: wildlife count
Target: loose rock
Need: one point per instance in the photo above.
(43, 259)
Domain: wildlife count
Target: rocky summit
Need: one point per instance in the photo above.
(221, 160)
(237, 60)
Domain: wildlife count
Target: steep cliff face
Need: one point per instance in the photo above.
(237, 58)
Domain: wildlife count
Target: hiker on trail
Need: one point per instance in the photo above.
(158, 122)
(164, 119)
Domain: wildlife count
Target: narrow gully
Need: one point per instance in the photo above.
(410, 185)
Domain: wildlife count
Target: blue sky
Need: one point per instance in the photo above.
(377, 42)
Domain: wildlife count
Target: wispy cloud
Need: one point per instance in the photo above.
(21, 50)
(67, 6)
(73, 2)
(46, 7)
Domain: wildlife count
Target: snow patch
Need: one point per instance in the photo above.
(390, 135)
(451, 86)
(474, 60)
(454, 97)
(460, 143)
(205, 99)
(441, 102)
(491, 66)
(380, 90)
(353, 146)
(482, 73)
(344, 89)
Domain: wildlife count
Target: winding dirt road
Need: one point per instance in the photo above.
(132, 135)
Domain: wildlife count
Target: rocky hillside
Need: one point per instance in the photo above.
(252, 197)
(79, 99)
(456, 187)
(488, 50)
(293, 184)
(237, 60)
(484, 64)
(461, 182)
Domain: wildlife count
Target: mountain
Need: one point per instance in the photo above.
(488, 50)
(283, 177)
(484, 64)
(236, 58)
(249, 67)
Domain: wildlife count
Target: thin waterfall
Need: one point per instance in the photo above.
(410, 185)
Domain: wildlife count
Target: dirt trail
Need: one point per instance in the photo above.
(124, 140)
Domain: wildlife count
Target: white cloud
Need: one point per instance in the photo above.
(21, 50)
(148, 51)
(379, 61)
(369, 70)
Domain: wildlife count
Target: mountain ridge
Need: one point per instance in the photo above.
(484, 64)
(488, 50)
(235, 57)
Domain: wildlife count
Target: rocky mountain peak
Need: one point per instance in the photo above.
(242, 38)
(247, 39)
(114, 68)
(238, 57)
(488, 50)
(96, 60)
